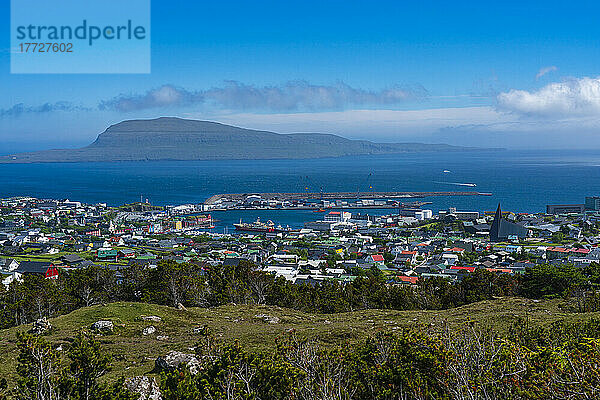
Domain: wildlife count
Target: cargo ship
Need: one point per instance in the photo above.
(262, 227)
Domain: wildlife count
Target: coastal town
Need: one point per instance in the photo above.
(48, 237)
(299, 200)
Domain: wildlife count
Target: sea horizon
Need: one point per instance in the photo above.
(521, 180)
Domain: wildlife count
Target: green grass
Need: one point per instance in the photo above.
(47, 257)
(134, 354)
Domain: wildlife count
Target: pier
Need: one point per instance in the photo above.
(240, 197)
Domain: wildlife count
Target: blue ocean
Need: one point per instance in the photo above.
(522, 181)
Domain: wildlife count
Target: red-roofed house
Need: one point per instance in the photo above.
(556, 252)
(410, 280)
(375, 258)
(580, 251)
(470, 269)
(500, 270)
(456, 250)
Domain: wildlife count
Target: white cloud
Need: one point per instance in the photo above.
(571, 98)
(163, 96)
(46, 108)
(545, 70)
(291, 96)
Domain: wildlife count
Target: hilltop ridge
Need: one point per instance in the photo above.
(170, 138)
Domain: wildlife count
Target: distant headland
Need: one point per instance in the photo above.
(170, 138)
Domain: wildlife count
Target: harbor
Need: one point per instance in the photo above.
(322, 200)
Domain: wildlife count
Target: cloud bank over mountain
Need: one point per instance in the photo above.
(291, 96)
(555, 114)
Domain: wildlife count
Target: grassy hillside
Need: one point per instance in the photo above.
(134, 354)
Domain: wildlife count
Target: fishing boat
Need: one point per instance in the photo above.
(262, 227)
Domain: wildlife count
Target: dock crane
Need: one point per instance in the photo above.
(311, 183)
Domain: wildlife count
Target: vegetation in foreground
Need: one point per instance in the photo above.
(416, 345)
(559, 361)
(134, 353)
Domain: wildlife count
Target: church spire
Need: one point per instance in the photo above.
(495, 228)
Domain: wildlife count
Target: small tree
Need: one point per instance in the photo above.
(88, 363)
(37, 369)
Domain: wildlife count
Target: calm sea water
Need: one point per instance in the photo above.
(523, 181)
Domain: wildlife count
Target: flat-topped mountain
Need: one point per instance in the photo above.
(168, 138)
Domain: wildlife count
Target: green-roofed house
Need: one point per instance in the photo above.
(106, 253)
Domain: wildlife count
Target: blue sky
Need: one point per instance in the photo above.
(501, 74)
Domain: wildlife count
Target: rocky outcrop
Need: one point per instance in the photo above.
(152, 318)
(178, 360)
(146, 387)
(270, 319)
(103, 326)
(148, 330)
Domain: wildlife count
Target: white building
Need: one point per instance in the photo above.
(423, 215)
(338, 216)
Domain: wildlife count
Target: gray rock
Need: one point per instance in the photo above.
(178, 360)
(268, 318)
(152, 318)
(103, 326)
(162, 337)
(146, 387)
(148, 330)
(40, 326)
